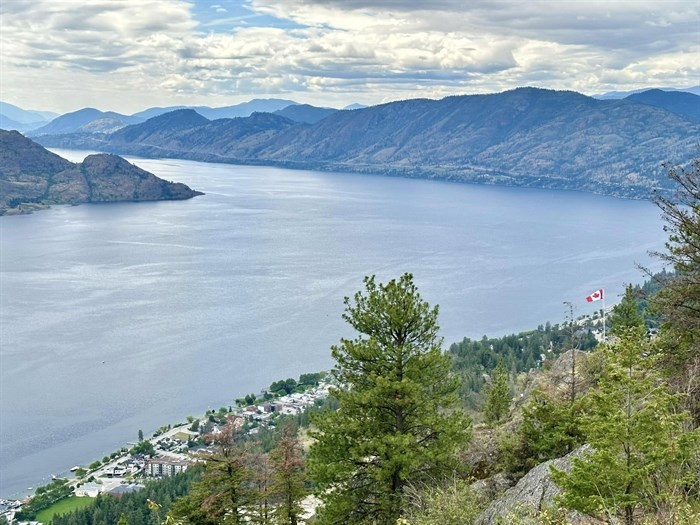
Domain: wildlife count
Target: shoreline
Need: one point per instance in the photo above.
(164, 434)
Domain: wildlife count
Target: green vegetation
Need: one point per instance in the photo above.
(642, 459)
(389, 438)
(242, 482)
(224, 492)
(678, 302)
(451, 504)
(281, 388)
(396, 424)
(134, 506)
(63, 506)
(45, 497)
(498, 396)
(143, 447)
(472, 359)
(550, 428)
(288, 478)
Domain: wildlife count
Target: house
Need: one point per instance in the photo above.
(117, 471)
(120, 490)
(89, 489)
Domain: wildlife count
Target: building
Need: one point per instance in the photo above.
(120, 490)
(185, 435)
(159, 467)
(89, 489)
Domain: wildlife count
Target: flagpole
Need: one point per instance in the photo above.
(603, 315)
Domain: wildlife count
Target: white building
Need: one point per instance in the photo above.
(159, 467)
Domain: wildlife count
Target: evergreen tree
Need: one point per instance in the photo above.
(641, 459)
(498, 396)
(224, 492)
(395, 424)
(626, 314)
(678, 302)
(288, 479)
(262, 506)
(551, 428)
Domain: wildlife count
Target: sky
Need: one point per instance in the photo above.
(128, 55)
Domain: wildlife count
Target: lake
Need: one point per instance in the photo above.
(120, 317)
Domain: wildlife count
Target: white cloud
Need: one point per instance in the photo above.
(129, 54)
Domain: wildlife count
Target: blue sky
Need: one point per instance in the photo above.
(126, 55)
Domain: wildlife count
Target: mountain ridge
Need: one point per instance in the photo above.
(523, 137)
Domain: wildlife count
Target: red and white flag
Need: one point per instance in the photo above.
(595, 296)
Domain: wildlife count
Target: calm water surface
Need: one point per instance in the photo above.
(120, 317)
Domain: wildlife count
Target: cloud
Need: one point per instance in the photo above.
(128, 54)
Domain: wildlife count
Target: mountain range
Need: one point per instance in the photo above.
(13, 117)
(33, 178)
(695, 90)
(92, 120)
(524, 137)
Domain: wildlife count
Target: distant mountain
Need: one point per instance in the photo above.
(197, 138)
(8, 123)
(154, 112)
(245, 109)
(32, 177)
(695, 90)
(25, 116)
(524, 137)
(678, 102)
(156, 128)
(89, 120)
(13, 117)
(355, 106)
(305, 113)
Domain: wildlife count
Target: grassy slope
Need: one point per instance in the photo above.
(63, 506)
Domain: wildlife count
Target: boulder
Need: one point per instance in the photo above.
(535, 491)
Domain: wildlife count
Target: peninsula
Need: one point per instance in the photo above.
(32, 178)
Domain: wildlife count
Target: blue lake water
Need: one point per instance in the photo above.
(120, 317)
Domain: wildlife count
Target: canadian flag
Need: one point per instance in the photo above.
(595, 296)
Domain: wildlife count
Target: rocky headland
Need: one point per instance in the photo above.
(32, 178)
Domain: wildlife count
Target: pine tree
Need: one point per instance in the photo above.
(626, 313)
(550, 428)
(396, 424)
(498, 396)
(641, 458)
(678, 302)
(288, 477)
(262, 505)
(224, 493)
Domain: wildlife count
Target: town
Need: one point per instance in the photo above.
(174, 448)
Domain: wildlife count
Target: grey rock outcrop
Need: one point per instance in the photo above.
(492, 487)
(532, 493)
